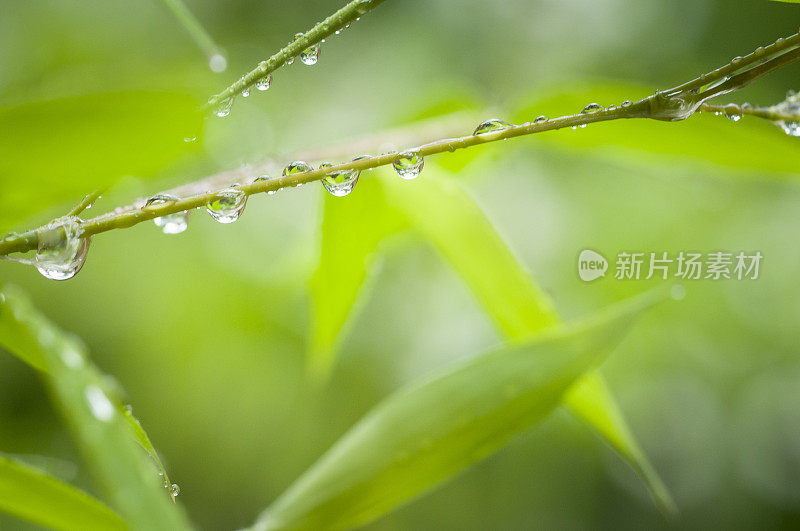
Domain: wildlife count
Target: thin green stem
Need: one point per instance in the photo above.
(213, 53)
(657, 106)
(315, 35)
(86, 202)
(767, 113)
(760, 54)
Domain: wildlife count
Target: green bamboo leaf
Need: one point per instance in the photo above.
(14, 339)
(352, 229)
(59, 150)
(88, 400)
(32, 495)
(435, 428)
(750, 144)
(447, 216)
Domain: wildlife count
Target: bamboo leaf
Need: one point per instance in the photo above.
(32, 495)
(57, 150)
(426, 433)
(352, 229)
(446, 215)
(88, 401)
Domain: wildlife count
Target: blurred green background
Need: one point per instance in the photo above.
(207, 330)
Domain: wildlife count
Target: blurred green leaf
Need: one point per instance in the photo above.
(32, 495)
(352, 229)
(58, 150)
(751, 144)
(88, 400)
(435, 428)
(447, 216)
(443, 213)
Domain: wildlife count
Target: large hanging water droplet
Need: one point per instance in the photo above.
(224, 107)
(310, 55)
(246, 92)
(408, 164)
(264, 83)
(174, 490)
(227, 206)
(592, 108)
(491, 126)
(99, 404)
(339, 183)
(171, 223)
(61, 251)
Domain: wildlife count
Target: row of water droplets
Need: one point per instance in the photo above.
(309, 57)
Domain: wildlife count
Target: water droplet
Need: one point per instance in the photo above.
(592, 108)
(310, 55)
(339, 183)
(540, 119)
(99, 404)
(224, 107)
(61, 251)
(290, 61)
(217, 63)
(491, 126)
(189, 139)
(338, 32)
(174, 490)
(264, 83)
(789, 107)
(296, 167)
(245, 92)
(171, 223)
(408, 164)
(71, 357)
(574, 127)
(672, 108)
(626, 103)
(733, 112)
(582, 126)
(227, 205)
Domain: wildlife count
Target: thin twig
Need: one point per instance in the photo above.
(315, 35)
(86, 202)
(767, 113)
(651, 107)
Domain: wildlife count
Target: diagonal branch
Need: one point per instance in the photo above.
(335, 22)
(660, 106)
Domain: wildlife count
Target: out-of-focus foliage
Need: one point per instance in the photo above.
(52, 151)
(208, 330)
(433, 429)
(88, 402)
(31, 494)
